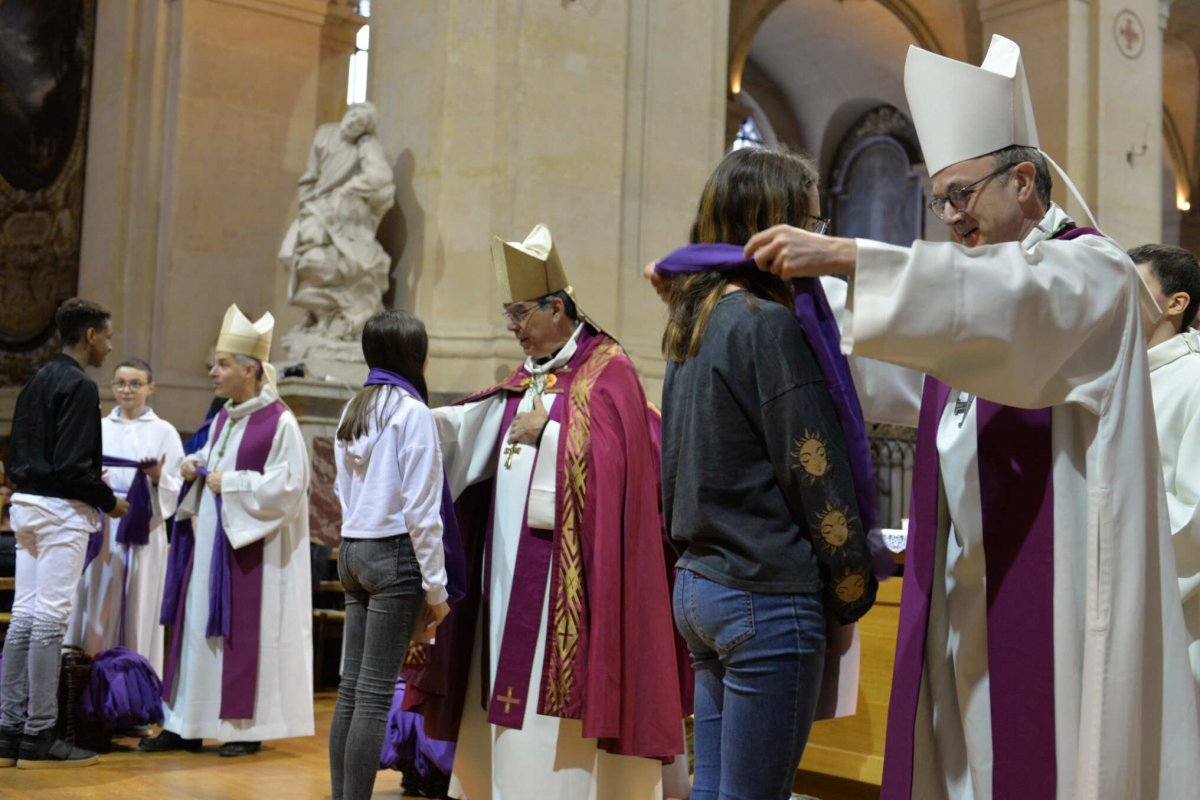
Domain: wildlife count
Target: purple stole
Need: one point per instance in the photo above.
(535, 550)
(1017, 503)
(235, 581)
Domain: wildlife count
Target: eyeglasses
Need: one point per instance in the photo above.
(121, 386)
(518, 314)
(959, 197)
(817, 224)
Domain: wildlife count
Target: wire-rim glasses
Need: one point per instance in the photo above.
(961, 195)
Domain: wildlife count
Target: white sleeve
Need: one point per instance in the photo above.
(420, 467)
(1183, 507)
(255, 505)
(1022, 328)
(468, 434)
(887, 393)
(166, 497)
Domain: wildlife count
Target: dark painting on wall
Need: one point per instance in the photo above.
(45, 85)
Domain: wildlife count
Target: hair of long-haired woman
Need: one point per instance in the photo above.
(394, 340)
(751, 190)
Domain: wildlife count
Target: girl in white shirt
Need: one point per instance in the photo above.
(391, 564)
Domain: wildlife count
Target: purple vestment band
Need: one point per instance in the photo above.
(824, 339)
(235, 580)
(535, 548)
(1017, 506)
(452, 546)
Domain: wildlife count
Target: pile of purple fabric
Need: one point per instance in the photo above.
(123, 691)
(406, 746)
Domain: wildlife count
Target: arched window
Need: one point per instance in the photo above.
(356, 88)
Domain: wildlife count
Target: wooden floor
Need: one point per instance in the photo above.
(295, 769)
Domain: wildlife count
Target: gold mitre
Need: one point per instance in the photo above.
(529, 269)
(242, 337)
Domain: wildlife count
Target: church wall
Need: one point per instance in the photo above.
(600, 119)
(203, 111)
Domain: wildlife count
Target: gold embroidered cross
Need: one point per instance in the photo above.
(510, 451)
(508, 700)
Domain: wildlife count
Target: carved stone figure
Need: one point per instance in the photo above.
(338, 270)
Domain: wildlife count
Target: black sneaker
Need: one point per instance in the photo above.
(10, 747)
(45, 751)
(167, 741)
(232, 749)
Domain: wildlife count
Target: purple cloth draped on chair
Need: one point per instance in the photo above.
(123, 691)
(406, 745)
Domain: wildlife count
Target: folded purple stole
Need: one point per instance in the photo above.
(134, 528)
(235, 580)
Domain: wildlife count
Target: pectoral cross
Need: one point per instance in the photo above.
(510, 451)
(508, 700)
(962, 405)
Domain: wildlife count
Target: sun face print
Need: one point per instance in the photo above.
(834, 524)
(850, 587)
(811, 454)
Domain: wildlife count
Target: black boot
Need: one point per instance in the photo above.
(10, 747)
(167, 741)
(45, 751)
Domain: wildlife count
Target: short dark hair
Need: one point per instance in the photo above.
(569, 307)
(138, 364)
(1177, 270)
(76, 315)
(1009, 157)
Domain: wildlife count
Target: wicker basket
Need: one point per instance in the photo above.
(72, 683)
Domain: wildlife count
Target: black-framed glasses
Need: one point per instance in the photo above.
(121, 386)
(518, 314)
(815, 224)
(960, 196)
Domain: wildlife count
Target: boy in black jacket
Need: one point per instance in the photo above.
(54, 460)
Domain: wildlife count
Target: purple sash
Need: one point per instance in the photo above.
(235, 580)
(452, 546)
(824, 339)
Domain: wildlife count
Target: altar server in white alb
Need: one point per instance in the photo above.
(1173, 275)
(1041, 646)
(119, 598)
(238, 590)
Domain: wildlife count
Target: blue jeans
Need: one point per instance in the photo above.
(758, 660)
(383, 598)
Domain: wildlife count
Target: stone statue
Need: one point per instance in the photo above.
(338, 270)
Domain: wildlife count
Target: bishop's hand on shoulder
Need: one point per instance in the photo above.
(527, 427)
(795, 253)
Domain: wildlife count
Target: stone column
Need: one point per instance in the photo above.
(600, 119)
(1095, 74)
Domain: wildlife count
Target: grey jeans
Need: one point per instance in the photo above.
(383, 597)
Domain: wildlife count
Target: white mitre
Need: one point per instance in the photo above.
(242, 337)
(961, 111)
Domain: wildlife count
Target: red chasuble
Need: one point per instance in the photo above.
(611, 659)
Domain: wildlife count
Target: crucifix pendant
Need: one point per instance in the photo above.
(962, 405)
(510, 451)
